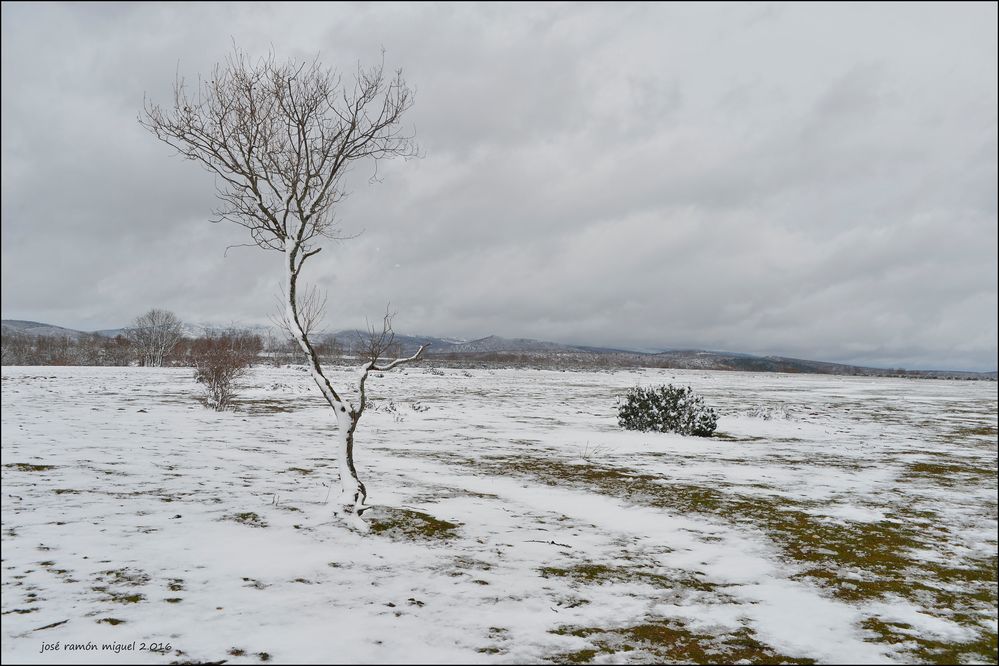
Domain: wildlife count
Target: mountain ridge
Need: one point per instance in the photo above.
(494, 347)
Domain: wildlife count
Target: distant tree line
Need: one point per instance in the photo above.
(22, 349)
(123, 350)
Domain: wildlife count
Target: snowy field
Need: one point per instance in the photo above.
(831, 519)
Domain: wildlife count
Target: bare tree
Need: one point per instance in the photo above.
(280, 137)
(155, 334)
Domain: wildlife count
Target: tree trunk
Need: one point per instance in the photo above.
(352, 492)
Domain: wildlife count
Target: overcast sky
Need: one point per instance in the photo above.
(806, 180)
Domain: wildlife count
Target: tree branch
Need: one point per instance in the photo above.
(400, 361)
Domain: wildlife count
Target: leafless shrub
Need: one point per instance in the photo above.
(219, 360)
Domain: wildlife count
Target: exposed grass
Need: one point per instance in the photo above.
(268, 405)
(670, 641)
(123, 576)
(409, 525)
(126, 598)
(247, 518)
(728, 437)
(948, 474)
(598, 574)
(977, 431)
(854, 561)
(925, 650)
(20, 611)
(28, 467)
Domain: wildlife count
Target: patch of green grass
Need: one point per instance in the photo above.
(409, 525)
(599, 574)
(247, 518)
(20, 611)
(113, 621)
(126, 598)
(578, 657)
(949, 474)
(929, 651)
(123, 576)
(28, 467)
(670, 641)
(977, 431)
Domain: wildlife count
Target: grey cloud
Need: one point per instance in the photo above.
(810, 181)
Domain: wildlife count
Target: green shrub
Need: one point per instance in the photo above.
(666, 408)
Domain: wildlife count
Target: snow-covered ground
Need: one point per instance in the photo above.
(836, 519)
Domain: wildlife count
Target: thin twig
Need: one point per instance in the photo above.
(551, 543)
(49, 626)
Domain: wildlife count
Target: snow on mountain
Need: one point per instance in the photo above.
(11, 326)
(495, 343)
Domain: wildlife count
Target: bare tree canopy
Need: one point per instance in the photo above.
(155, 334)
(279, 137)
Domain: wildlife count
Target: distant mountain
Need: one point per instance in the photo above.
(10, 326)
(409, 343)
(521, 350)
(111, 332)
(187, 330)
(494, 343)
(488, 345)
(713, 360)
(204, 328)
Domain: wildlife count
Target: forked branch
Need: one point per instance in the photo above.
(376, 344)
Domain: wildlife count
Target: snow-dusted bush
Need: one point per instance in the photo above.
(666, 408)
